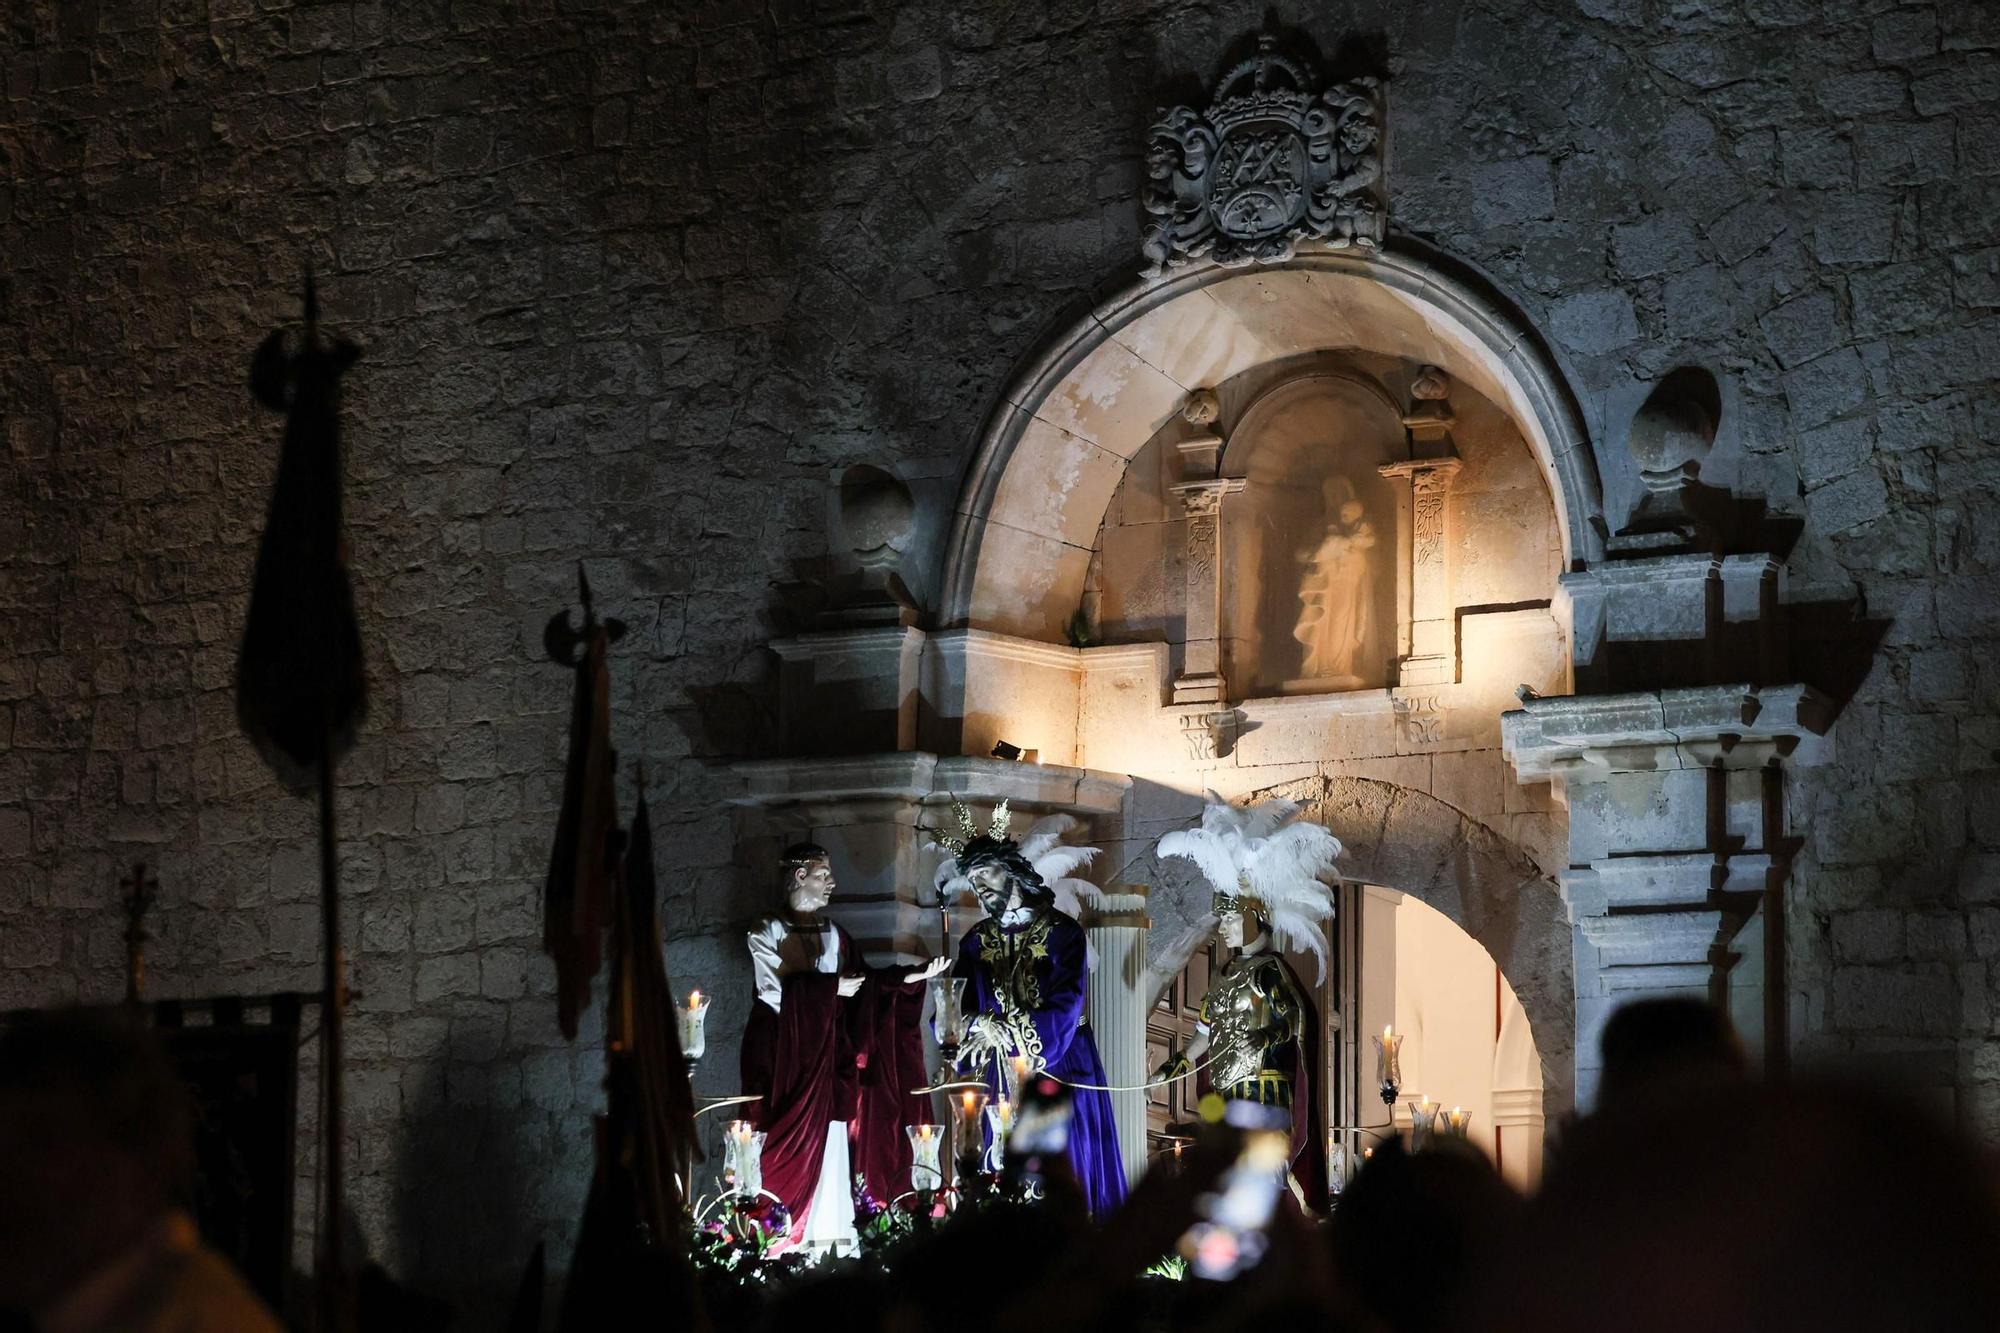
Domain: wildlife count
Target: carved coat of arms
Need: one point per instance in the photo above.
(1270, 163)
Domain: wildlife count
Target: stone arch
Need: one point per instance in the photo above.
(1055, 447)
(1403, 839)
(1411, 841)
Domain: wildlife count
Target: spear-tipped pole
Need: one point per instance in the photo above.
(301, 693)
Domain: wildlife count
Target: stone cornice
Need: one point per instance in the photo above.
(965, 643)
(1588, 737)
(916, 778)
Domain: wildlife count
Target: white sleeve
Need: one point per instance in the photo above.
(764, 963)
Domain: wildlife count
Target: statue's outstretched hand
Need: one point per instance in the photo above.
(981, 1040)
(929, 970)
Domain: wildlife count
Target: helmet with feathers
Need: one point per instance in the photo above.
(1264, 859)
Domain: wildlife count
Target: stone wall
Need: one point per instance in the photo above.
(635, 280)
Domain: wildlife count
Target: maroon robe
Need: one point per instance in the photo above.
(821, 1058)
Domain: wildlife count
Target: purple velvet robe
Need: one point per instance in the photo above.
(1043, 968)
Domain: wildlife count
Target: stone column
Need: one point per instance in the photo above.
(1432, 659)
(1117, 1007)
(1200, 680)
(1675, 838)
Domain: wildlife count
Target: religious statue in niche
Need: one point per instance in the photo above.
(1026, 966)
(1337, 591)
(1258, 1035)
(832, 1049)
(1271, 162)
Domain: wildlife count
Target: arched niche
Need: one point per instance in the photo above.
(1053, 451)
(1310, 549)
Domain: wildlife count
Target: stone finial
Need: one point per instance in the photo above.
(1201, 408)
(1674, 430)
(1201, 452)
(877, 515)
(877, 518)
(1429, 419)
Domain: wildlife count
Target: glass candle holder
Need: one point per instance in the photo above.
(926, 1172)
(948, 1014)
(1456, 1122)
(968, 1116)
(1423, 1122)
(743, 1159)
(999, 1120)
(1018, 1071)
(694, 1027)
(1389, 1064)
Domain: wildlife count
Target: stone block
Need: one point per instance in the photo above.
(1593, 323)
(442, 978)
(1934, 935)
(1869, 937)
(1804, 328)
(1912, 1000)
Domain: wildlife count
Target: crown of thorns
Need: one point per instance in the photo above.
(953, 840)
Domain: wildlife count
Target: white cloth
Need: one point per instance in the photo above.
(767, 963)
(830, 1220)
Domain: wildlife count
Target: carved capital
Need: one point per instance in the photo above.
(1203, 499)
(1430, 481)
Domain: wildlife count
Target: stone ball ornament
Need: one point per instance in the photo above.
(877, 514)
(1675, 428)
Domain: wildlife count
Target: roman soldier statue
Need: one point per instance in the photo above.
(1258, 1029)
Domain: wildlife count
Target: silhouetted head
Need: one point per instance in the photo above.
(1413, 1228)
(1667, 1046)
(96, 1144)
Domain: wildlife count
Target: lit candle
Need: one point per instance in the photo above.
(1388, 1065)
(694, 1026)
(1457, 1120)
(925, 1172)
(1423, 1122)
(1000, 1119)
(971, 1126)
(743, 1158)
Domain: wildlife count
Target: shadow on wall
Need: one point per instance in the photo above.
(465, 1221)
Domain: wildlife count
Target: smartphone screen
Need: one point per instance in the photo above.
(1229, 1239)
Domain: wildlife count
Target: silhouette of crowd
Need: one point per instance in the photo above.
(1693, 1196)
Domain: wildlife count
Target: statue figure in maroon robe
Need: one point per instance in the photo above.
(1027, 967)
(832, 1049)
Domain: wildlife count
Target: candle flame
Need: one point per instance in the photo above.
(1388, 1031)
(694, 999)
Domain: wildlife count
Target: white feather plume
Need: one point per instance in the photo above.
(1265, 851)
